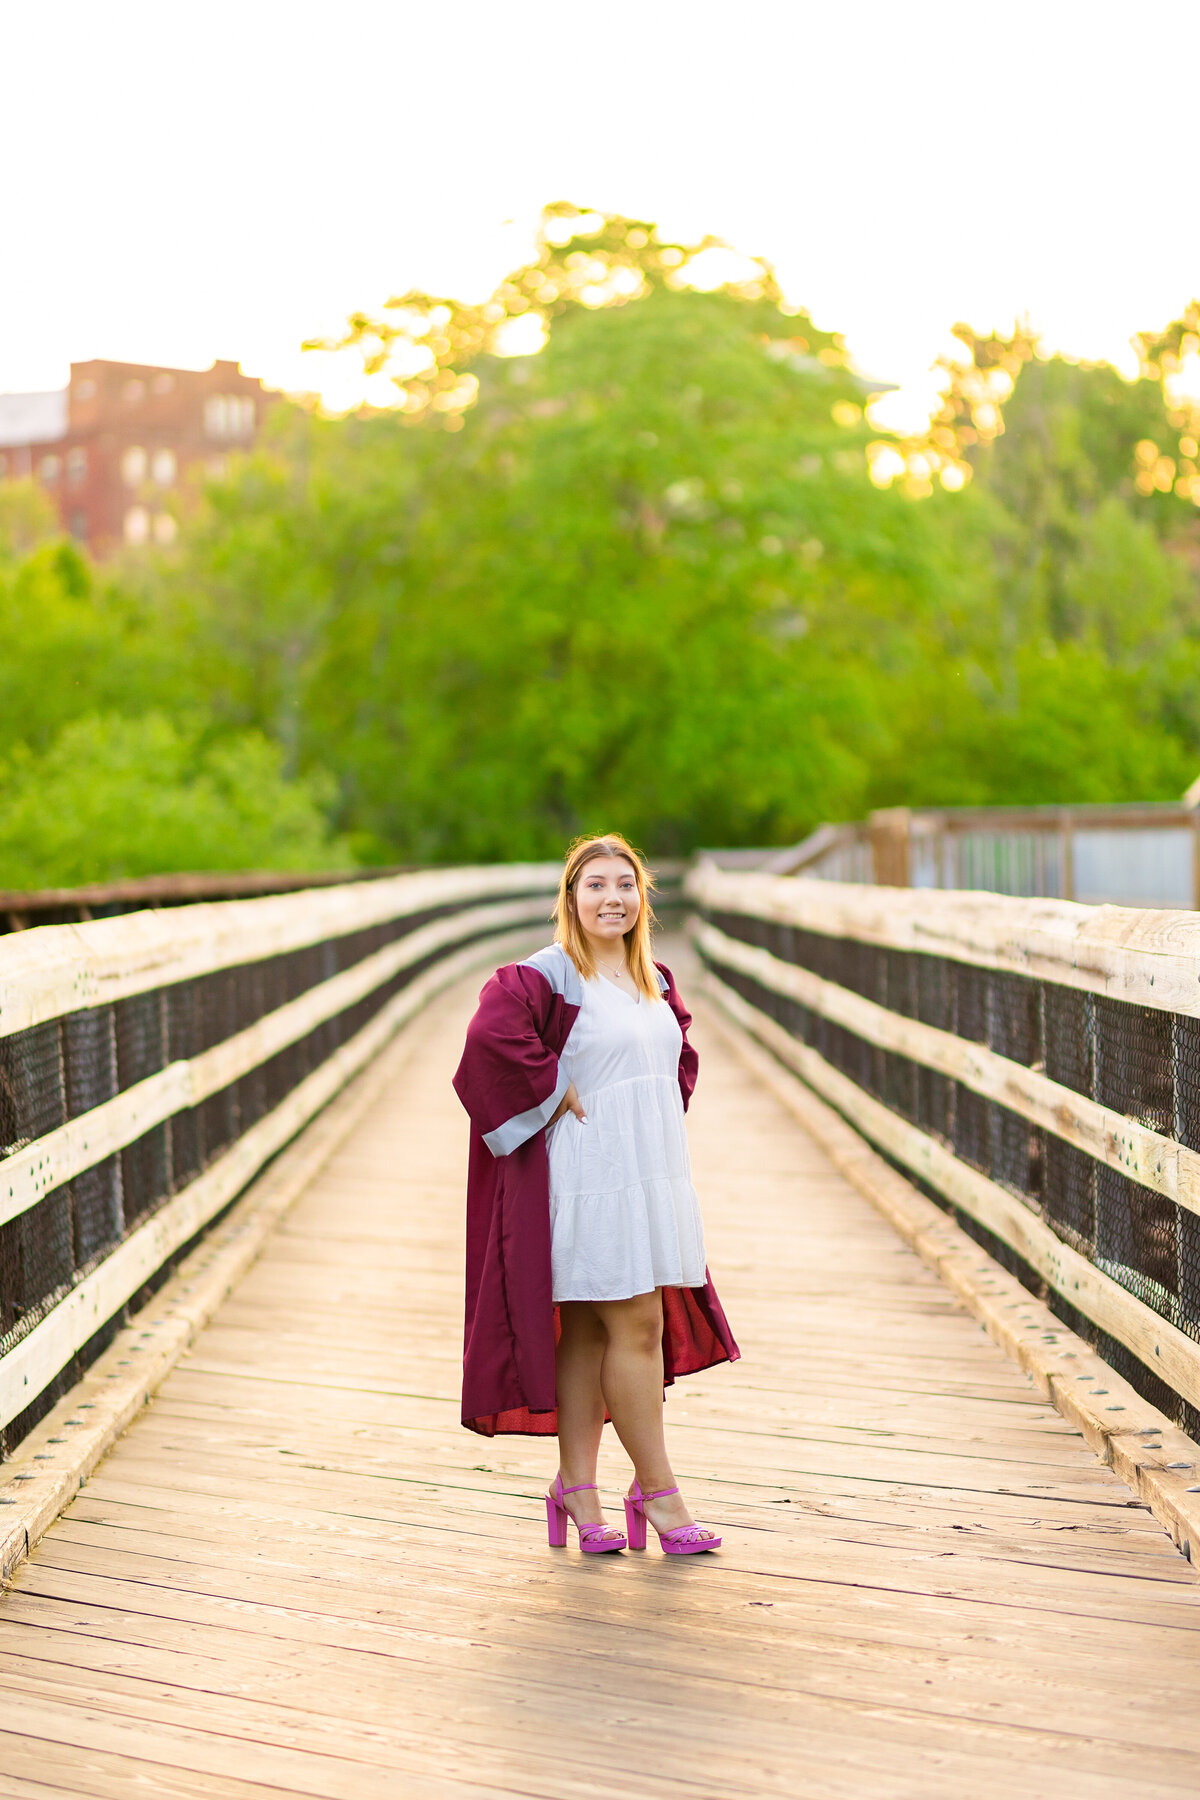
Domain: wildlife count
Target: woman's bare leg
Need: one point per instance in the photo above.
(580, 1352)
(631, 1375)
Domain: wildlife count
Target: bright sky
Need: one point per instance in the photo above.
(186, 181)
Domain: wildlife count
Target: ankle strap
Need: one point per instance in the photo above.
(661, 1494)
(584, 1487)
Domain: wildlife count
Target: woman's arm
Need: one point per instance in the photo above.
(508, 1080)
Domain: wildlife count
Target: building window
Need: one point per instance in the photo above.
(79, 526)
(166, 530)
(163, 384)
(163, 467)
(49, 468)
(76, 465)
(133, 393)
(137, 525)
(133, 466)
(229, 416)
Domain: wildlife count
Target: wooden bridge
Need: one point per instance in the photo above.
(952, 1559)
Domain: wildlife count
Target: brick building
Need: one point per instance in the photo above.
(116, 448)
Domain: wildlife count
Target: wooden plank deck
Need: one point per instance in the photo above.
(296, 1575)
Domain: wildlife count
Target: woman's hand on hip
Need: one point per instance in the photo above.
(570, 1102)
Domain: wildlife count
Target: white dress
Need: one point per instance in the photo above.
(624, 1217)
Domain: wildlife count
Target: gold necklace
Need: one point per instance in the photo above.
(615, 973)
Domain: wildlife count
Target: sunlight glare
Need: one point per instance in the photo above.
(717, 267)
(1183, 385)
(524, 336)
(318, 233)
(561, 231)
(884, 464)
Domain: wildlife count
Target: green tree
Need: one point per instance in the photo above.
(1095, 544)
(74, 643)
(1122, 590)
(622, 590)
(114, 796)
(428, 344)
(645, 577)
(641, 577)
(1164, 357)
(27, 519)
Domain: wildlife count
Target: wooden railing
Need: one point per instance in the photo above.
(151, 1064)
(1033, 1065)
(23, 909)
(1125, 855)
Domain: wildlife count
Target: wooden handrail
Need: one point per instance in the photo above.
(434, 925)
(1146, 956)
(21, 909)
(823, 842)
(65, 968)
(924, 846)
(1161, 1346)
(36, 1169)
(786, 987)
(1132, 1149)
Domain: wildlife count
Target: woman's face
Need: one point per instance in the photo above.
(607, 899)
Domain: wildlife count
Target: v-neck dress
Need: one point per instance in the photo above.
(624, 1217)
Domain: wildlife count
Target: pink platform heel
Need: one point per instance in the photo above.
(682, 1540)
(592, 1538)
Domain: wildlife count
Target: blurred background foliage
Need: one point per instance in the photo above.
(662, 575)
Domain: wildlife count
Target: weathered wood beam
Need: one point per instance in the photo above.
(45, 1164)
(1135, 1150)
(28, 1368)
(1145, 957)
(66, 968)
(1159, 1345)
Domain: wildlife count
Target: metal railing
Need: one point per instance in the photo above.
(151, 1064)
(1033, 1066)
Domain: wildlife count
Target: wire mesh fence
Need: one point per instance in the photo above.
(1142, 1063)
(63, 1074)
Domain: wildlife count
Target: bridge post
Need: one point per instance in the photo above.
(889, 833)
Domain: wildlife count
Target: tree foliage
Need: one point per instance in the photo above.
(115, 796)
(75, 643)
(644, 579)
(622, 591)
(427, 344)
(27, 518)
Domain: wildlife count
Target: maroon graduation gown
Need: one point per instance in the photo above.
(510, 1083)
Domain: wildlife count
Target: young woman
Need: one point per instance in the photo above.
(587, 1289)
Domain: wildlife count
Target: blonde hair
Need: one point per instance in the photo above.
(569, 932)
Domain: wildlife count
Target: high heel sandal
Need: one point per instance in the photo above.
(592, 1538)
(681, 1540)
